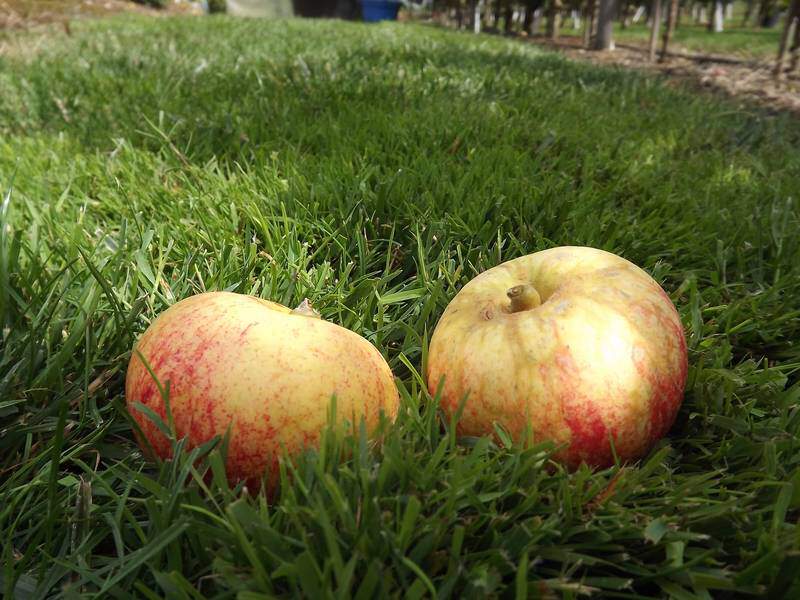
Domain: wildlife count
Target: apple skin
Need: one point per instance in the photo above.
(603, 355)
(261, 369)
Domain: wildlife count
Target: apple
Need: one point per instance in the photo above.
(573, 345)
(266, 372)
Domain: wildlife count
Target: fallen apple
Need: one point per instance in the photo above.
(266, 372)
(575, 345)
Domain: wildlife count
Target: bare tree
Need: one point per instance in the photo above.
(654, 29)
(790, 30)
(605, 22)
(672, 20)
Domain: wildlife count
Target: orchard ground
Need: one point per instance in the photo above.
(744, 42)
(376, 170)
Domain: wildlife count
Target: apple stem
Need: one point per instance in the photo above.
(305, 309)
(523, 297)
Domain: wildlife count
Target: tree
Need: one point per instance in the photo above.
(605, 22)
(528, 18)
(553, 18)
(458, 8)
(625, 14)
(588, 28)
(748, 14)
(795, 50)
(715, 24)
(768, 13)
(672, 20)
(490, 19)
(476, 16)
(531, 6)
(654, 29)
(790, 30)
(508, 16)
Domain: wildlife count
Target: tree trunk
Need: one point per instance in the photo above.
(553, 18)
(605, 22)
(624, 14)
(509, 17)
(789, 32)
(527, 20)
(488, 14)
(536, 22)
(718, 18)
(766, 13)
(591, 8)
(672, 18)
(654, 29)
(795, 49)
(533, 16)
(476, 19)
(575, 15)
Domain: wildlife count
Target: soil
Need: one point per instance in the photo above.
(26, 14)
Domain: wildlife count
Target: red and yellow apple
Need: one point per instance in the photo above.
(266, 372)
(575, 345)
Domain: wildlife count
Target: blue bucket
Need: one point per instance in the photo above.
(379, 10)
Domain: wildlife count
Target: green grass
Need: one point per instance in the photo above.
(742, 42)
(376, 170)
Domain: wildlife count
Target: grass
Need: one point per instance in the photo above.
(376, 170)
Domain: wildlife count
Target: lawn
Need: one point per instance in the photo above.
(375, 170)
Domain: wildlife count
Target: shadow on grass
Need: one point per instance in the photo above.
(233, 107)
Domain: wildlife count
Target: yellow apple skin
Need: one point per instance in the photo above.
(257, 367)
(602, 357)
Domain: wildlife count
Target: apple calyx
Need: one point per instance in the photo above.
(304, 309)
(523, 297)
